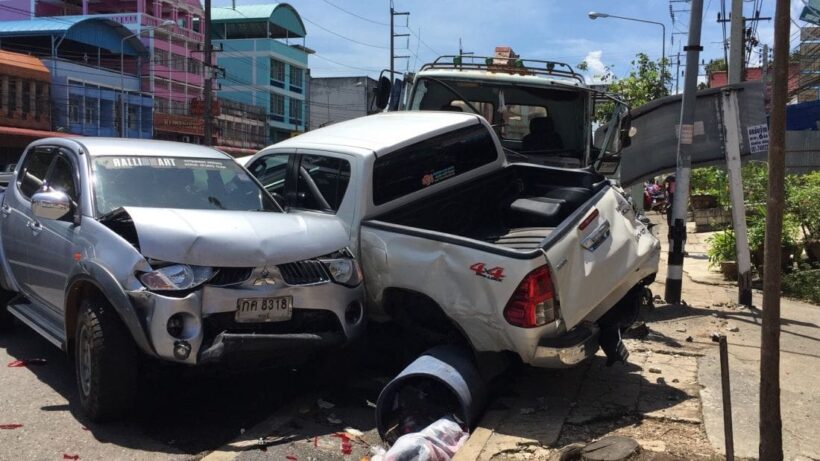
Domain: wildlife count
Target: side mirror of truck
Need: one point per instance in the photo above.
(626, 132)
(383, 92)
(50, 204)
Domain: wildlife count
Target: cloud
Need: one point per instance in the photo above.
(595, 67)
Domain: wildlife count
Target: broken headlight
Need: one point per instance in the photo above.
(343, 268)
(176, 277)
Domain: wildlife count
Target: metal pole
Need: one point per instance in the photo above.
(122, 86)
(736, 43)
(391, 40)
(728, 432)
(677, 231)
(206, 93)
(771, 424)
(663, 57)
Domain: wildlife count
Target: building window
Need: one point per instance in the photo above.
(41, 100)
(161, 57)
(12, 101)
(133, 117)
(296, 77)
(296, 112)
(25, 106)
(75, 108)
(277, 73)
(194, 67)
(277, 107)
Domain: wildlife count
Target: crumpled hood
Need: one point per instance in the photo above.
(220, 238)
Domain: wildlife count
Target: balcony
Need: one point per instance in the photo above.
(130, 20)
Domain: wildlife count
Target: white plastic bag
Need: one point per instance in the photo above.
(436, 442)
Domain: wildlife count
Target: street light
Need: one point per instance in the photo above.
(595, 15)
(167, 22)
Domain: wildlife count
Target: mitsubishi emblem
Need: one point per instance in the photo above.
(264, 279)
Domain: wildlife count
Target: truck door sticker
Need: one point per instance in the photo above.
(438, 176)
(481, 270)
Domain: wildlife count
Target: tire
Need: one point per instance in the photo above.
(6, 319)
(105, 362)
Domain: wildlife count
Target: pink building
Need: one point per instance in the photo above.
(170, 31)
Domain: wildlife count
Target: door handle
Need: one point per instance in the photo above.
(35, 227)
(5, 211)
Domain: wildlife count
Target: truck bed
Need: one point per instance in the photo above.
(516, 207)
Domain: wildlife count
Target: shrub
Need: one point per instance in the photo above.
(721, 247)
(803, 284)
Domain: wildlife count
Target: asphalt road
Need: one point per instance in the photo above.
(181, 414)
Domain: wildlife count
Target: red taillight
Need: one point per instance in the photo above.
(532, 304)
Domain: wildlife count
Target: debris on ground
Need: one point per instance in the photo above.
(681, 330)
(27, 363)
(655, 370)
(333, 419)
(324, 404)
(418, 405)
(612, 448)
(11, 426)
(733, 328)
(437, 442)
(71, 457)
(689, 339)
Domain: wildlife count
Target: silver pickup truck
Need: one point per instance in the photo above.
(459, 245)
(115, 250)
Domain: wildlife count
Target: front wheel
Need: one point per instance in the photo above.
(105, 362)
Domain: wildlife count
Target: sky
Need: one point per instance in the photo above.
(351, 37)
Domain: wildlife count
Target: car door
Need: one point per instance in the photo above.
(15, 214)
(51, 256)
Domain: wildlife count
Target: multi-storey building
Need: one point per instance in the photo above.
(169, 29)
(265, 62)
(335, 99)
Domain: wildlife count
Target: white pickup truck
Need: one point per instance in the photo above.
(457, 244)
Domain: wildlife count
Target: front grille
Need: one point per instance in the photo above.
(302, 321)
(303, 272)
(230, 276)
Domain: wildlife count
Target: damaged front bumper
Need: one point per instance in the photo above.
(569, 349)
(226, 346)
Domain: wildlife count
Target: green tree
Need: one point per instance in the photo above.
(645, 82)
(716, 65)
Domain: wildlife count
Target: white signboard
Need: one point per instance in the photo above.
(758, 138)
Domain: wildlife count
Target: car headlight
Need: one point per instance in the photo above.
(343, 268)
(176, 277)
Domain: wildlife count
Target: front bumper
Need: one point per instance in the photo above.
(566, 350)
(211, 333)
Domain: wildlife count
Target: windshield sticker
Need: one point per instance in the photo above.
(438, 176)
(202, 164)
(133, 162)
(120, 163)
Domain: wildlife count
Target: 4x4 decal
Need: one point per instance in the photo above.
(481, 270)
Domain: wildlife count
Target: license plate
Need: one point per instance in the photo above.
(250, 310)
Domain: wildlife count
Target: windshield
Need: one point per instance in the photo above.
(176, 182)
(548, 122)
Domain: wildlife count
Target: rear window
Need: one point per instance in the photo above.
(430, 162)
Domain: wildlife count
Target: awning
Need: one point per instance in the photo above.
(237, 151)
(33, 134)
(23, 66)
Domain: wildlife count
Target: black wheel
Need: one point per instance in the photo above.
(105, 362)
(6, 319)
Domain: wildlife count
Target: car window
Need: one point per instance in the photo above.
(62, 177)
(322, 182)
(431, 161)
(34, 171)
(271, 171)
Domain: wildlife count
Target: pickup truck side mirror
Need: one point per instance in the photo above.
(627, 131)
(383, 92)
(50, 204)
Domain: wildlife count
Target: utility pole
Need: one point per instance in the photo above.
(677, 231)
(393, 35)
(733, 168)
(736, 43)
(207, 90)
(771, 425)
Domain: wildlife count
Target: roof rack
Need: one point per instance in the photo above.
(506, 65)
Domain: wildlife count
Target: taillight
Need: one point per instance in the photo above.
(533, 302)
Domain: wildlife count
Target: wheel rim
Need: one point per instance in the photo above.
(84, 360)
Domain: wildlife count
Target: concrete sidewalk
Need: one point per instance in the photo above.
(669, 396)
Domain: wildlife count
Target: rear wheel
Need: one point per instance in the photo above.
(105, 362)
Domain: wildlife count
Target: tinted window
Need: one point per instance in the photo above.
(322, 183)
(430, 162)
(176, 182)
(34, 172)
(62, 177)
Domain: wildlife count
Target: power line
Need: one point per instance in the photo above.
(356, 15)
(353, 40)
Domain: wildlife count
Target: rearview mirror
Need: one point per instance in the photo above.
(50, 204)
(383, 92)
(626, 132)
